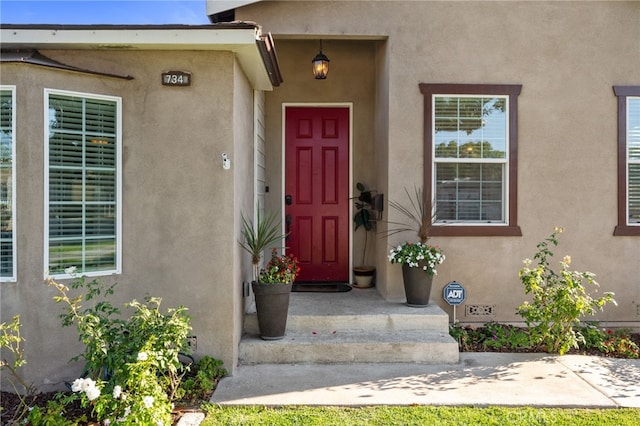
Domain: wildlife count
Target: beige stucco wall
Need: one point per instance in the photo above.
(180, 225)
(244, 178)
(566, 55)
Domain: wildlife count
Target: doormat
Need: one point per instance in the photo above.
(321, 287)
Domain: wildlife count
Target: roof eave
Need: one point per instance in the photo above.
(243, 39)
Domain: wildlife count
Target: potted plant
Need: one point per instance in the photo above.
(418, 259)
(272, 284)
(258, 237)
(363, 274)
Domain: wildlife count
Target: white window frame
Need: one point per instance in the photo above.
(444, 160)
(629, 161)
(625, 227)
(14, 246)
(118, 221)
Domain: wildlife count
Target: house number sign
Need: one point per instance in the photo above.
(176, 78)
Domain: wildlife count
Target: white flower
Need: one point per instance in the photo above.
(142, 356)
(88, 384)
(148, 401)
(92, 393)
(76, 386)
(107, 422)
(71, 270)
(117, 391)
(127, 411)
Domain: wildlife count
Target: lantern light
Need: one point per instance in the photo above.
(320, 65)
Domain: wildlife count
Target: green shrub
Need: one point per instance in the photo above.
(54, 413)
(504, 337)
(10, 340)
(202, 380)
(560, 300)
(616, 343)
(491, 336)
(133, 370)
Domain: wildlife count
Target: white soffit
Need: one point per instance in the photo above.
(241, 41)
(217, 6)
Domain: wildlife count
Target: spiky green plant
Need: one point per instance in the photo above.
(257, 237)
(419, 219)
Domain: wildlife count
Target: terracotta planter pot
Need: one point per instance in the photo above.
(417, 286)
(272, 306)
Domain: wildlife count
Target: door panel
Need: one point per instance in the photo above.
(317, 178)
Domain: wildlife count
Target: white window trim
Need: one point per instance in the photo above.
(14, 245)
(118, 101)
(505, 161)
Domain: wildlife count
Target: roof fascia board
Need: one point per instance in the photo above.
(217, 6)
(128, 38)
(242, 41)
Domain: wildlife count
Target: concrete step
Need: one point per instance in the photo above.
(427, 347)
(395, 317)
(358, 326)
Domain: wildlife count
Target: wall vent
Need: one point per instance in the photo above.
(638, 309)
(480, 310)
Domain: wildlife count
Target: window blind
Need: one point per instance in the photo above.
(470, 158)
(7, 152)
(82, 183)
(633, 156)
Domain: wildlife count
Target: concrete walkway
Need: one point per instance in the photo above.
(479, 379)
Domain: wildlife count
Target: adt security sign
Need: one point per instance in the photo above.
(454, 293)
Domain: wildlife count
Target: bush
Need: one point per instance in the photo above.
(496, 337)
(610, 342)
(133, 370)
(202, 380)
(560, 300)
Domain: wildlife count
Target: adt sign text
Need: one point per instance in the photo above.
(454, 293)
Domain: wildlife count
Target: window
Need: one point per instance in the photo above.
(82, 188)
(628, 160)
(7, 184)
(471, 158)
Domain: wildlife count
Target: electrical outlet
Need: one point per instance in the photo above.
(192, 341)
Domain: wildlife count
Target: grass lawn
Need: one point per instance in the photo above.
(417, 415)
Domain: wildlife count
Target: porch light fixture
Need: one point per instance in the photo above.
(320, 65)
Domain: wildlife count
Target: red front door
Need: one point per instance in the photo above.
(317, 191)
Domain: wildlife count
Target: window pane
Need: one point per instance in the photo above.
(6, 185)
(470, 127)
(82, 184)
(65, 149)
(469, 192)
(634, 193)
(633, 128)
(100, 254)
(64, 254)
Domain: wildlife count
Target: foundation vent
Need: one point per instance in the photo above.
(638, 309)
(480, 310)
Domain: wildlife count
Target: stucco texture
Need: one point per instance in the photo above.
(179, 207)
(566, 55)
